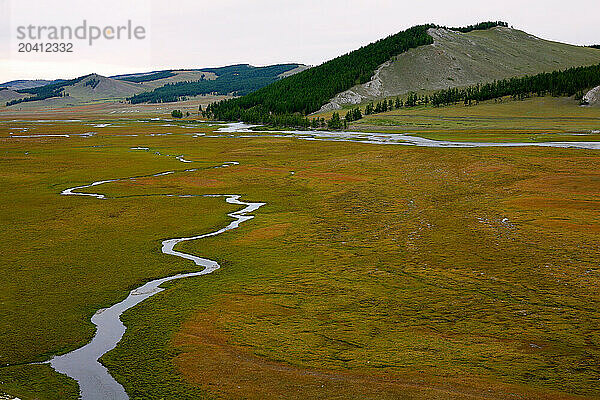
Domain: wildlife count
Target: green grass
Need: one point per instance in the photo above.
(372, 272)
(37, 382)
(536, 119)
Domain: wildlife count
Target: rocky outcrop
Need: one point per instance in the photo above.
(592, 97)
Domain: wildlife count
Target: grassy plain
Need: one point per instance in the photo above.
(372, 272)
(541, 115)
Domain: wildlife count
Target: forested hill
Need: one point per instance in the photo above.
(45, 92)
(238, 79)
(307, 91)
(422, 59)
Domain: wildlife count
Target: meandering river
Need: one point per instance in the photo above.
(95, 382)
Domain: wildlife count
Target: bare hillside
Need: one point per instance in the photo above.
(25, 84)
(98, 87)
(9, 95)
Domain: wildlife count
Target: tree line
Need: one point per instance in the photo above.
(567, 82)
(482, 26)
(147, 77)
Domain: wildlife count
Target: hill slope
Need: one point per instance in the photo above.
(153, 80)
(27, 84)
(10, 95)
(238, 79)
(461, 59)
(85, 89)
(97, 87)
(422, 58)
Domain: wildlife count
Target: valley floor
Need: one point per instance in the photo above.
(505, 120)
(371, 272)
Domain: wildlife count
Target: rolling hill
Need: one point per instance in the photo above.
(155, 86)
(150, 80)
(421, 59)
(27, 83)
(238, 79)
(458, 59)
(96, 87)
(85, 89)
(10, 95)
(156, 79)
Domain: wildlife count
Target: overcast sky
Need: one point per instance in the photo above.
(199, 33)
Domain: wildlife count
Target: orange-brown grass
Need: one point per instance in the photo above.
(266, 233)
(410, 271)
(415, 272)
(236, 372)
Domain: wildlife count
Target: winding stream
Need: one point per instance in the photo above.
(95, 382)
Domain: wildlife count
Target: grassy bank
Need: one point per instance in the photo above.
(502, 121)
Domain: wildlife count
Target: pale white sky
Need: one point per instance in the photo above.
(199, 33)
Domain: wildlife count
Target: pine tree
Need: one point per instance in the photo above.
(349, 116)
(335, 122)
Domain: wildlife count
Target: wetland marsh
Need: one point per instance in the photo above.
(371, 271)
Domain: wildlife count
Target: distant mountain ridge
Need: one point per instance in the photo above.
(27, 83)
(157, 86)
(237, 79)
